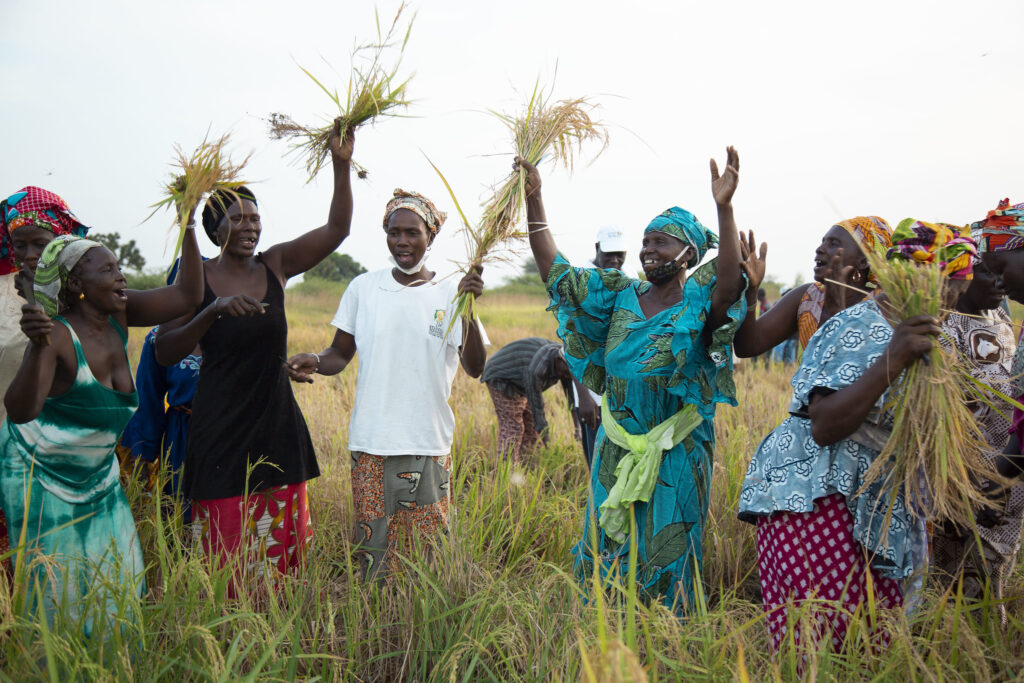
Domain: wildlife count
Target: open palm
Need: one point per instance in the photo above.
(723, 186)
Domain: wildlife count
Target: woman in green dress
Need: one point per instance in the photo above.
(660, 352)
(66, 408)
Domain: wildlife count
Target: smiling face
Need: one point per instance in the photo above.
(835, 239)
(28, 242)
(659, 249)
(98, 276)
(408, 238)
(609, 259)
(239, 230)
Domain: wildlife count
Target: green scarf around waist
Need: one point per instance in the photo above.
(637, 471)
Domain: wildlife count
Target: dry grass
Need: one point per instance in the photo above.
(557, 129)
(374, 90)
(937, 454)
(207, 169)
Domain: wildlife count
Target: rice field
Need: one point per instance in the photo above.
(497, 600)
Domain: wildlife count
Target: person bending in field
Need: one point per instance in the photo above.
(29, 220)
(842, 278)
(403, 323)
(980, 332)
(818, 536)
(249, 453)
(66, 407)
(659, 350)
(516, 377)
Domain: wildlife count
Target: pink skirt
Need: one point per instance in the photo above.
(805, 555)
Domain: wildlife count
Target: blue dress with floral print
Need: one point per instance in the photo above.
(790, 470)
(648, 369)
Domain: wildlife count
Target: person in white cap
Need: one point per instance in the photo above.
(610, 248)
(610, 252)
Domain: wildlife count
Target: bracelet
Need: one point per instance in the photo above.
(534, 232)
(191, 226)
(316, 370)
(536, 223)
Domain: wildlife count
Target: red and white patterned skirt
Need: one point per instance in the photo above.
(813, 555)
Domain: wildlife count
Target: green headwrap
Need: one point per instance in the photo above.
(55, 263)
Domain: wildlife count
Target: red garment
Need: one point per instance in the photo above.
(813, 554)
(37, 207)
(275, 528)
(516, 433)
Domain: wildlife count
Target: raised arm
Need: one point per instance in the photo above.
(30, 387)
(541, 241)
(838, 415)
(759, 334)
(156, 306)
(729, 281)
(302, 253)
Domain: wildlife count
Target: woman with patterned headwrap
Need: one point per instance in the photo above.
(29, 220)
(660, 352)
(401, 321)
(842, 278)
(802, 489)
(249, 453)
(66, 408)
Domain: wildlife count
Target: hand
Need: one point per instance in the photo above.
(342, 148)
(912, 339)
(301, 367)
(472, 282)
(723, 187)
(836, 294)
(188, 213)
(578, 434)
(545, 437)
(753, 264)
(236, 306)
(532, 175)
(36, 325)
(588, 410)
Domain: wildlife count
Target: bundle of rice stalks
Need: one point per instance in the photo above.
(373, 91)
(936, 454)
(207, 169)
(559, 130)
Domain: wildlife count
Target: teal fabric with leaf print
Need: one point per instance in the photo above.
(648, 369)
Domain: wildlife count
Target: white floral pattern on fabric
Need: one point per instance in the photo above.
(790, 470)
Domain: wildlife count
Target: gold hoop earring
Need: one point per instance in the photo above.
(82, 296)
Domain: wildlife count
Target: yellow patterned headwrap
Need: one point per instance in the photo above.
(870, 232)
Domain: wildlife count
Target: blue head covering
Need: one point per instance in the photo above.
(684, 226)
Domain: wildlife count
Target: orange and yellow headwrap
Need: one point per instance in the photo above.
(870, 232)
(950, 246)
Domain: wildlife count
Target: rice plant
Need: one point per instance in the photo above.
(936, 455)
(207, 169)
(374, 90)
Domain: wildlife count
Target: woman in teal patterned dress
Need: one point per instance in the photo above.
(660, 352)
(66, 408)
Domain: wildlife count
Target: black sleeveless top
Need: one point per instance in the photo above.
(244, 409)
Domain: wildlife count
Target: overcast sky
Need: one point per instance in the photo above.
(838, 109)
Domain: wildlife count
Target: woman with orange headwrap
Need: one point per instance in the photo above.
(818, 534)
(842, 279)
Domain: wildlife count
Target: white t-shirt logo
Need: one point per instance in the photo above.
(437, 329)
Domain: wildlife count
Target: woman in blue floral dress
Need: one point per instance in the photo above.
(660, 352)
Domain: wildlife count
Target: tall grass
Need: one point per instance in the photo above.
(496, 600)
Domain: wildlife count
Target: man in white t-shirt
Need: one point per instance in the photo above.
(403, 323)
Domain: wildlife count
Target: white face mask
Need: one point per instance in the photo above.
(414, 269)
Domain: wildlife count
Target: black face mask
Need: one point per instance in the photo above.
(666, 271)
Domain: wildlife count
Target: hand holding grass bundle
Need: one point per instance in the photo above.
(936, 454)
(206, 170)
(373, 91)
(560, 130)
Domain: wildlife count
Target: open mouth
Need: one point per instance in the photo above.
(247, 242)
(121, 294)
(404, 258)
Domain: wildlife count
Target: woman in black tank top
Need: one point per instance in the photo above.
(248, 442)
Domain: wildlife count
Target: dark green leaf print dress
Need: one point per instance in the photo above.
(648, 369)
